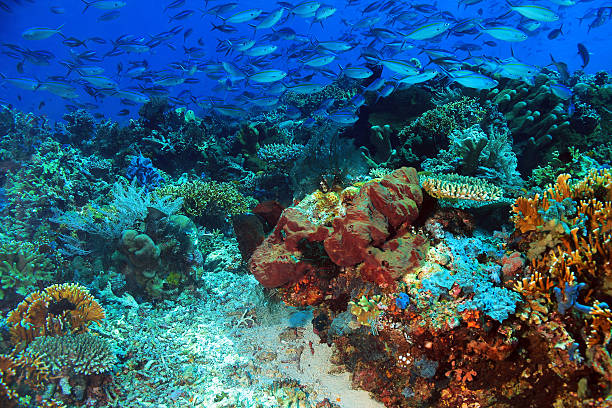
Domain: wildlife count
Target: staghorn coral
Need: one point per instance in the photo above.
(57, 310)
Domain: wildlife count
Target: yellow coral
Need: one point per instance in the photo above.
(456, 187)
(366, 310)
(580, 250)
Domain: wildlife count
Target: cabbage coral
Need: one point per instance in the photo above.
(56, 310)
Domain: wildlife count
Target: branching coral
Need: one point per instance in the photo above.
(209, 199)
(568, 230)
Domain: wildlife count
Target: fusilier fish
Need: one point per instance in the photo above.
(40, 33)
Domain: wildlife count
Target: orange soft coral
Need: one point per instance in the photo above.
(56, 310)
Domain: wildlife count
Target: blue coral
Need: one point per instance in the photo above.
(402, 301)
(475, 278)
(568, 298)
(141, 168)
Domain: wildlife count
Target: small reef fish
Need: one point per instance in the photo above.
(535, 12)
(505, 33)
(584, 55)
(104, 4)
(40, 33)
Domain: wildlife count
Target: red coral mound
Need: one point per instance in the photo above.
(277, 261)
(376, 217)
(390, 262)
(379, 210)
(270, 211)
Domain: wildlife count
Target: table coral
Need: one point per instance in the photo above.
(73, 354)
(456, 187)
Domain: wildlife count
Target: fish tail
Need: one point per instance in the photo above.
(86, 6)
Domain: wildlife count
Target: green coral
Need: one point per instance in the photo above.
(578, 166)
(23, 269)
(429, 132)
(204, 200)
(54, 178)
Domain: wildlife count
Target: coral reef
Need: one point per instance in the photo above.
(255, 257)
(56, 358)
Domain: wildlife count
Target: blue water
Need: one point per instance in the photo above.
(145, 20)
